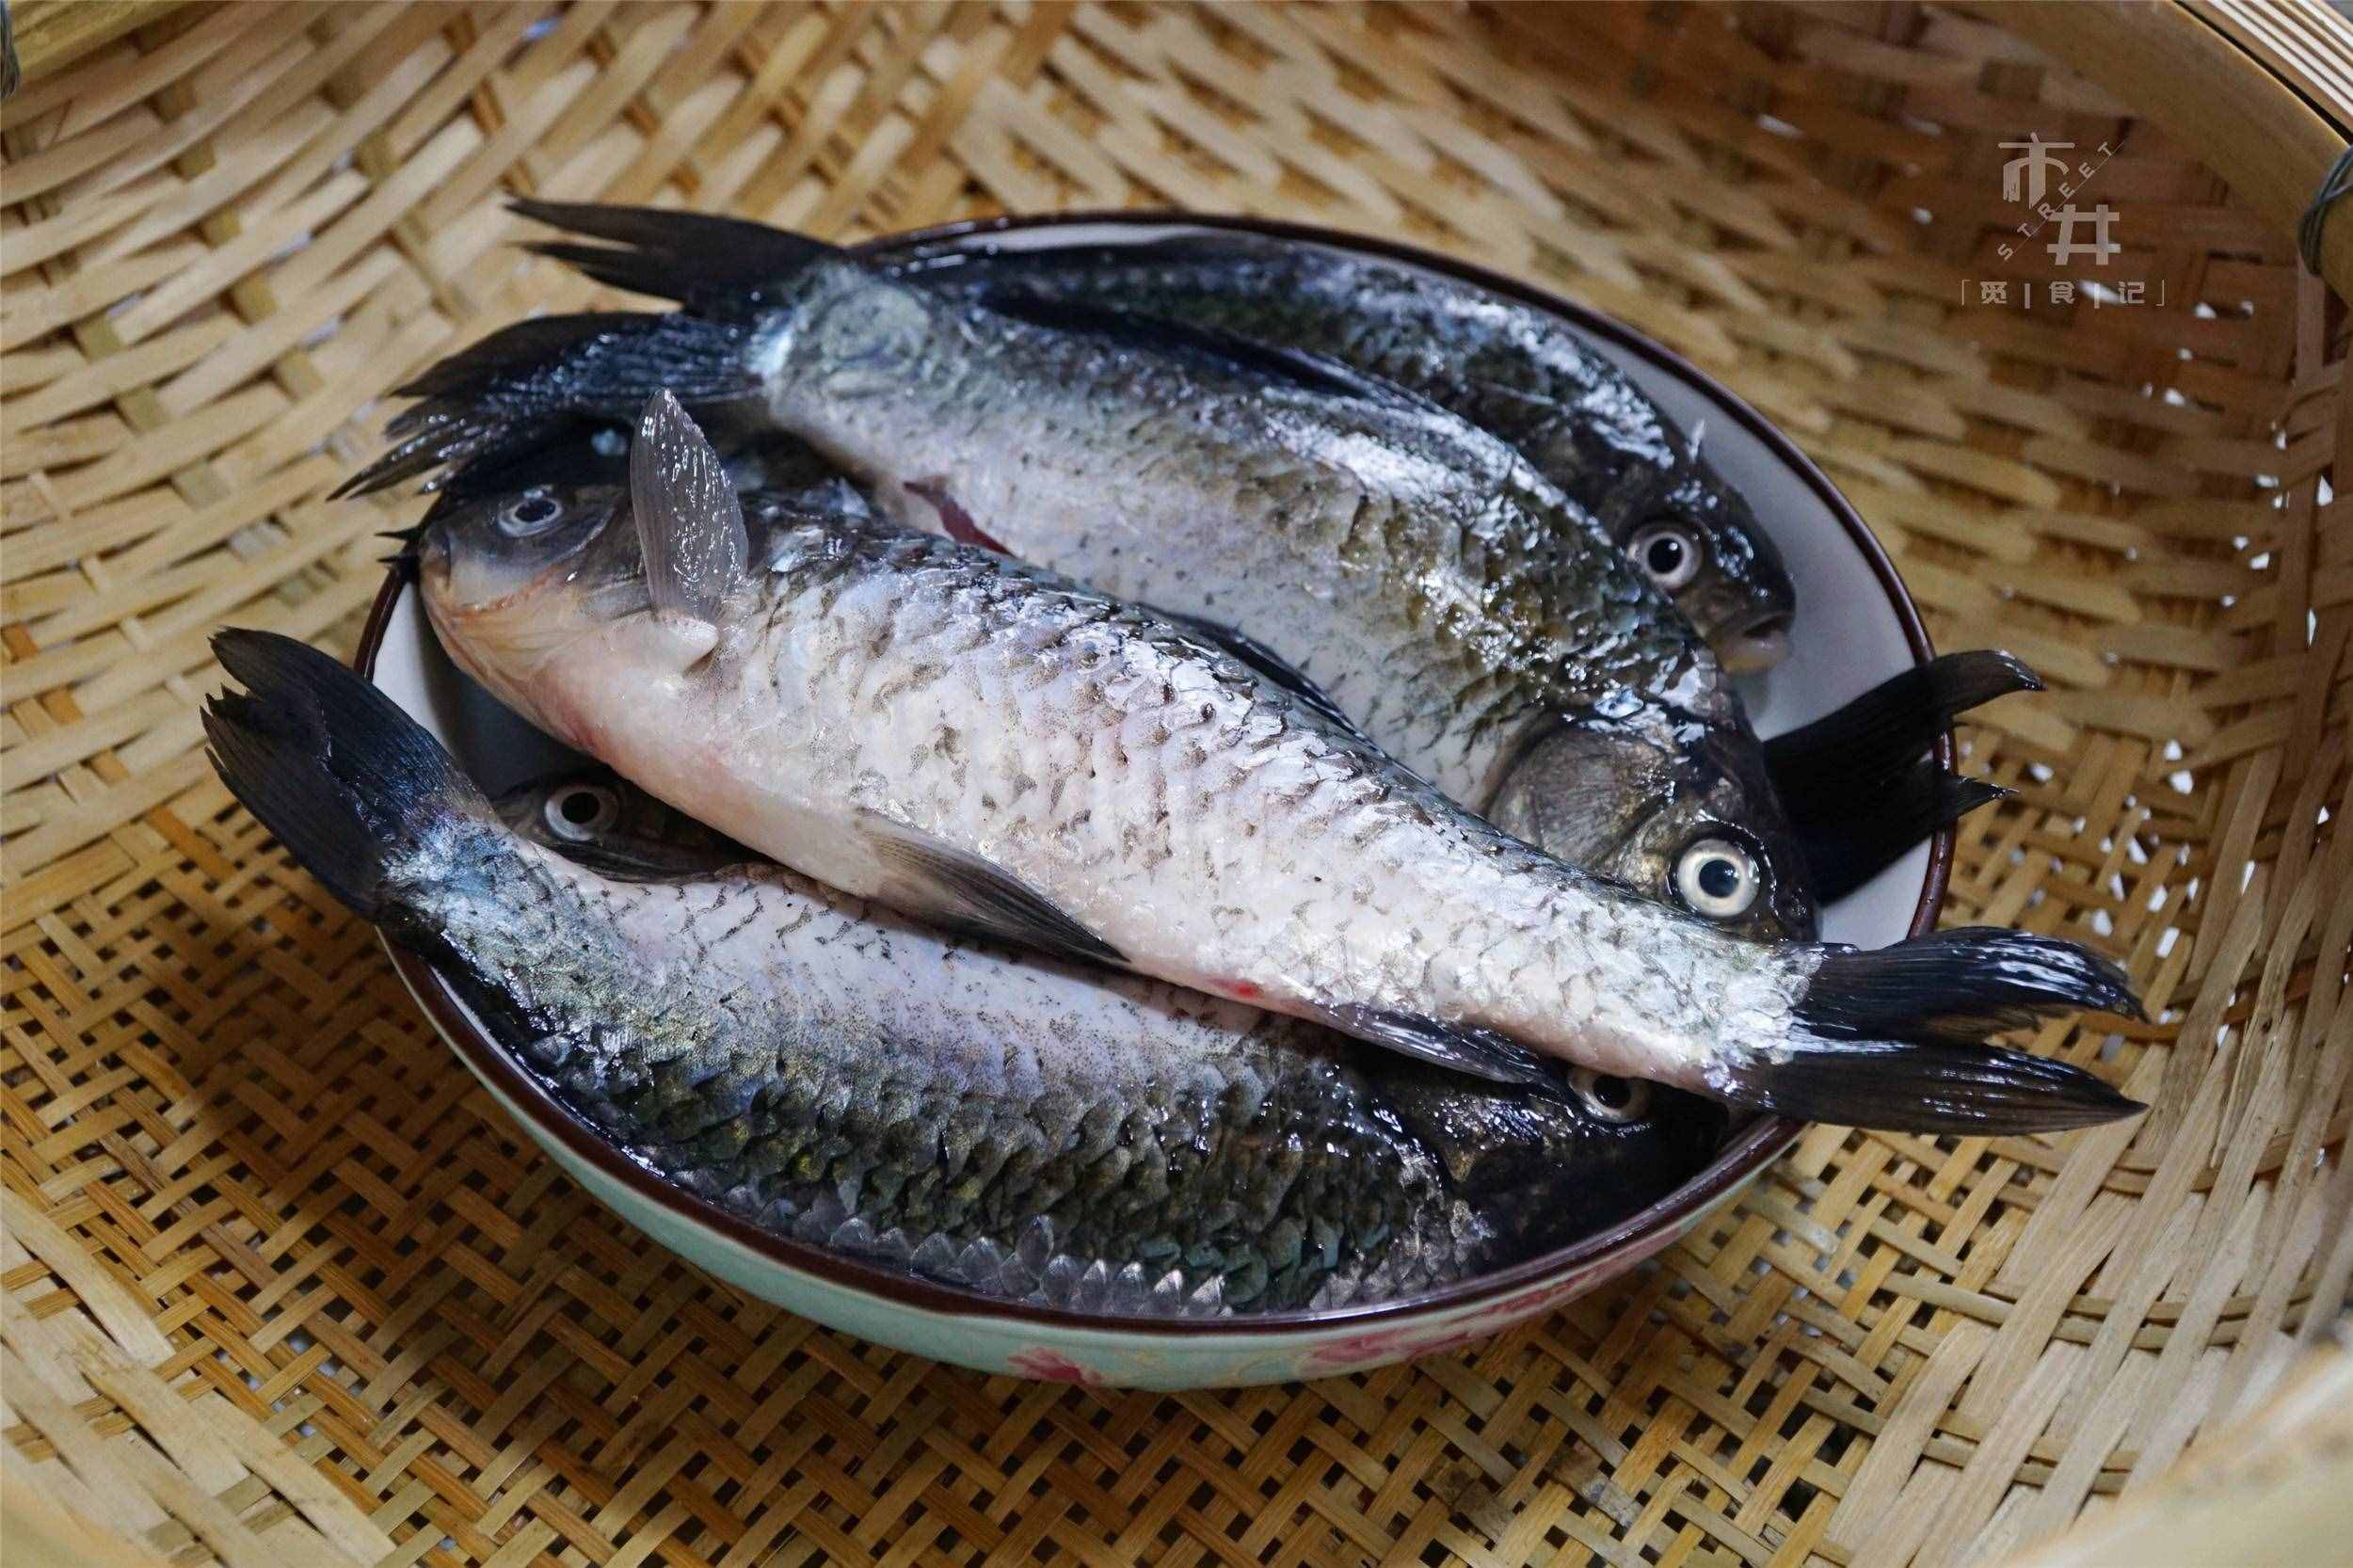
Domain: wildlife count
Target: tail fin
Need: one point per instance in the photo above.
(1843, 855)
(1963, 1091)
(329, 763)
(1894, 1038)
(1819, 766)
(1860, 786)
(553, 376)
(1957, 987)
(724, 266)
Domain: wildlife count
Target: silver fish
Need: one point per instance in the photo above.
(974, 742)
(1508, 367)
(825, 1068)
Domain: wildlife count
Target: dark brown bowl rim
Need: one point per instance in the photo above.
(1756, 1146)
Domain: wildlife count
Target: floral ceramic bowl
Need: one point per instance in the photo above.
(1854, 626)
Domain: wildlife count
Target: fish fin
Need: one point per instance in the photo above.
(690, 524)
(1894, 1038)
(328, 762)
(1300, 368)
(1957, 987)
(522, 346)
(1819, 767)
(988, 260)
(556, 379)
(571, 459)
(1479, 1052)
(444, 439)
(1907, 1086)
(1860, 786)
(961, 890)
(704, 261)
(1269, 665)
(1844, 853)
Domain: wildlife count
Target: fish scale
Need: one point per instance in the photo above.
(851, 1103)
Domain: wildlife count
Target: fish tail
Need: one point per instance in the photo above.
(1894, 1038)
(704, 262)
(555, 376)
(329, 764)
(1860, 786)
(1924, 799)
(1818, 766)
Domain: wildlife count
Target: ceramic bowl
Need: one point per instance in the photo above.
(1854, 626)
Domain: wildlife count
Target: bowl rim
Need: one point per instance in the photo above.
(1748, 1153)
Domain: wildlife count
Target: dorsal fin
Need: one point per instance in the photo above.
(1269, 665)
(980, 262)
(1319, 373)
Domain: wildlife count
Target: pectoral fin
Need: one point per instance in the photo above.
(1302, 369)
(1263, 661)
(1480, 1052)
(954, 887)
(1270, 665)
(690, 525)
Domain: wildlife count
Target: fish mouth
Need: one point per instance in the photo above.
(1757, 647)
(457, 585)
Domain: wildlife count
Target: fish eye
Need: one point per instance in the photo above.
(1667, 551)
(1613, 1099)
(581, 811)
(1719, 878)
(531, 512)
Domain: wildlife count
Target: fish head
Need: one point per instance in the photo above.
(591, 815)
(482, 552)
(519, 581)
(1677, 809)
(1702, 545)
(1545, 1169)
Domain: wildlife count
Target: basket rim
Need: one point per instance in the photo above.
(1748, 1153)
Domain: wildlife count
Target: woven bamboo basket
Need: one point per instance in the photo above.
(278, 1285)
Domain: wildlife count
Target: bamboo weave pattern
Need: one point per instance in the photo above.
(278, 1286)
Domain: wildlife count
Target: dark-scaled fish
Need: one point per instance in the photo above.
(1505, 366)
(977, 742)
(825, 1068)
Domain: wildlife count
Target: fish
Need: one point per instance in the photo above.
(1506, 367)
(1403, 568)
(1669, 806)
(976, 743)
(829, 1070)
